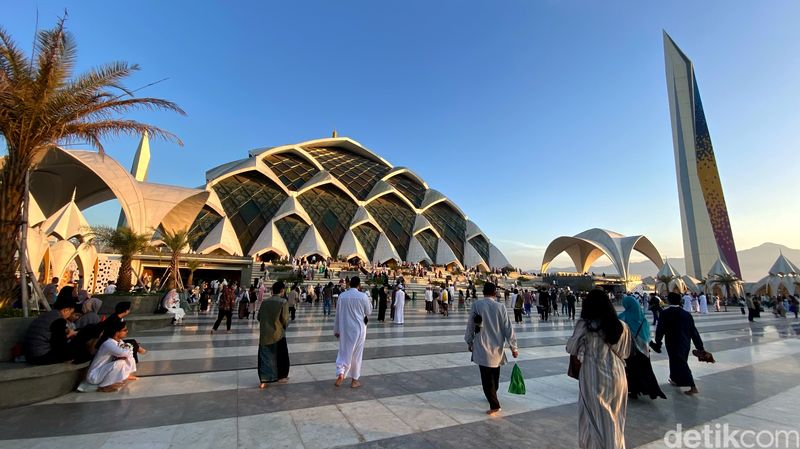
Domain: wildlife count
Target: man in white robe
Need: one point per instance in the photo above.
(350, 327)
(687, 302)
(703, 303)
(400, 304)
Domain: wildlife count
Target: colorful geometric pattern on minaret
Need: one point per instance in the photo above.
(706, 227)
(712, 186)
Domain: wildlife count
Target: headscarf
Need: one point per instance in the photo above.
(169, 298)
(92, 305)
(634, 317)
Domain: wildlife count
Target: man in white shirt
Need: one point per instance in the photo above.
(428, 299)
(350, 327)
(110, 288)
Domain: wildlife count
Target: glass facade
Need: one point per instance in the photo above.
(250, 199)
(429, 241)
(205, 221)
(451, 226)
(409, 187)
(357, 172)
(368, 236)
(395, 218)
(291, 169)
(331, 211)
(292, 229)
(481, 245)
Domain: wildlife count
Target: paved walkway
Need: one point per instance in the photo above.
(420, 390)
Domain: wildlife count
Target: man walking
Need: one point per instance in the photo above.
(677, 326)
(571, 300)
(273, 352)
(227, 301)
(544, 302)
(399, 305)
(488, 329)
(293, 298)
(350, 327)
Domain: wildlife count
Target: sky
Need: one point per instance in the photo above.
(538, 118)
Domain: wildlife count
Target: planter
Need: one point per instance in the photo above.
(12, 331)
(140, 304)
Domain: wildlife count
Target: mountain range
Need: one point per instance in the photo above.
(754, 262)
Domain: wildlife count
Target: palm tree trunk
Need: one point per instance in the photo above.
(176, 274)
(125, 272)
(12, 185)
(191, 277)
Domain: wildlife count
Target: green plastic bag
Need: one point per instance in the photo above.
(517, 385)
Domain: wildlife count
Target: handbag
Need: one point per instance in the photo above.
(574, 369)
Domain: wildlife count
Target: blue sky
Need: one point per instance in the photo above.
(538, 118)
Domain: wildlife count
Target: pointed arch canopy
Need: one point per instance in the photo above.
(585, 248)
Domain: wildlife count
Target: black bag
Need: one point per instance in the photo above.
(243, 312)
(366, 320)
(574, 369)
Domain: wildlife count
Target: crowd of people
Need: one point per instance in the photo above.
(610, 352)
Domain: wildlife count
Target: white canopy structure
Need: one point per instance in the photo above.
(585, 248)
(783, 277)
(668, 279)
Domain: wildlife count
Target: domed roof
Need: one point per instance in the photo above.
(353, 201)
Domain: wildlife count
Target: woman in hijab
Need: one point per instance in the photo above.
(638, 369)
(172, 303)
(382, 304)
(90, 308)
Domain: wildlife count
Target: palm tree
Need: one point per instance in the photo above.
(192, 265)
(726, 280)
(176, 241)
(43, 103)
(124, 241)
(665, 279)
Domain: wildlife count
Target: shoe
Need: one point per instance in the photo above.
(355, 384)
(339, 380)
(493, 411)
(283, 381)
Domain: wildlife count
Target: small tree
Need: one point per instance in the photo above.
(665, 279)
(192, 265)
(127, 243)
(176, 241)
(726, 280)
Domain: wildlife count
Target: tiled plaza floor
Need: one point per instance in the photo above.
(420, 390)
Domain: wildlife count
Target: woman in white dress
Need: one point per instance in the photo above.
(602, 343)
(172, 303)
(113, 364)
